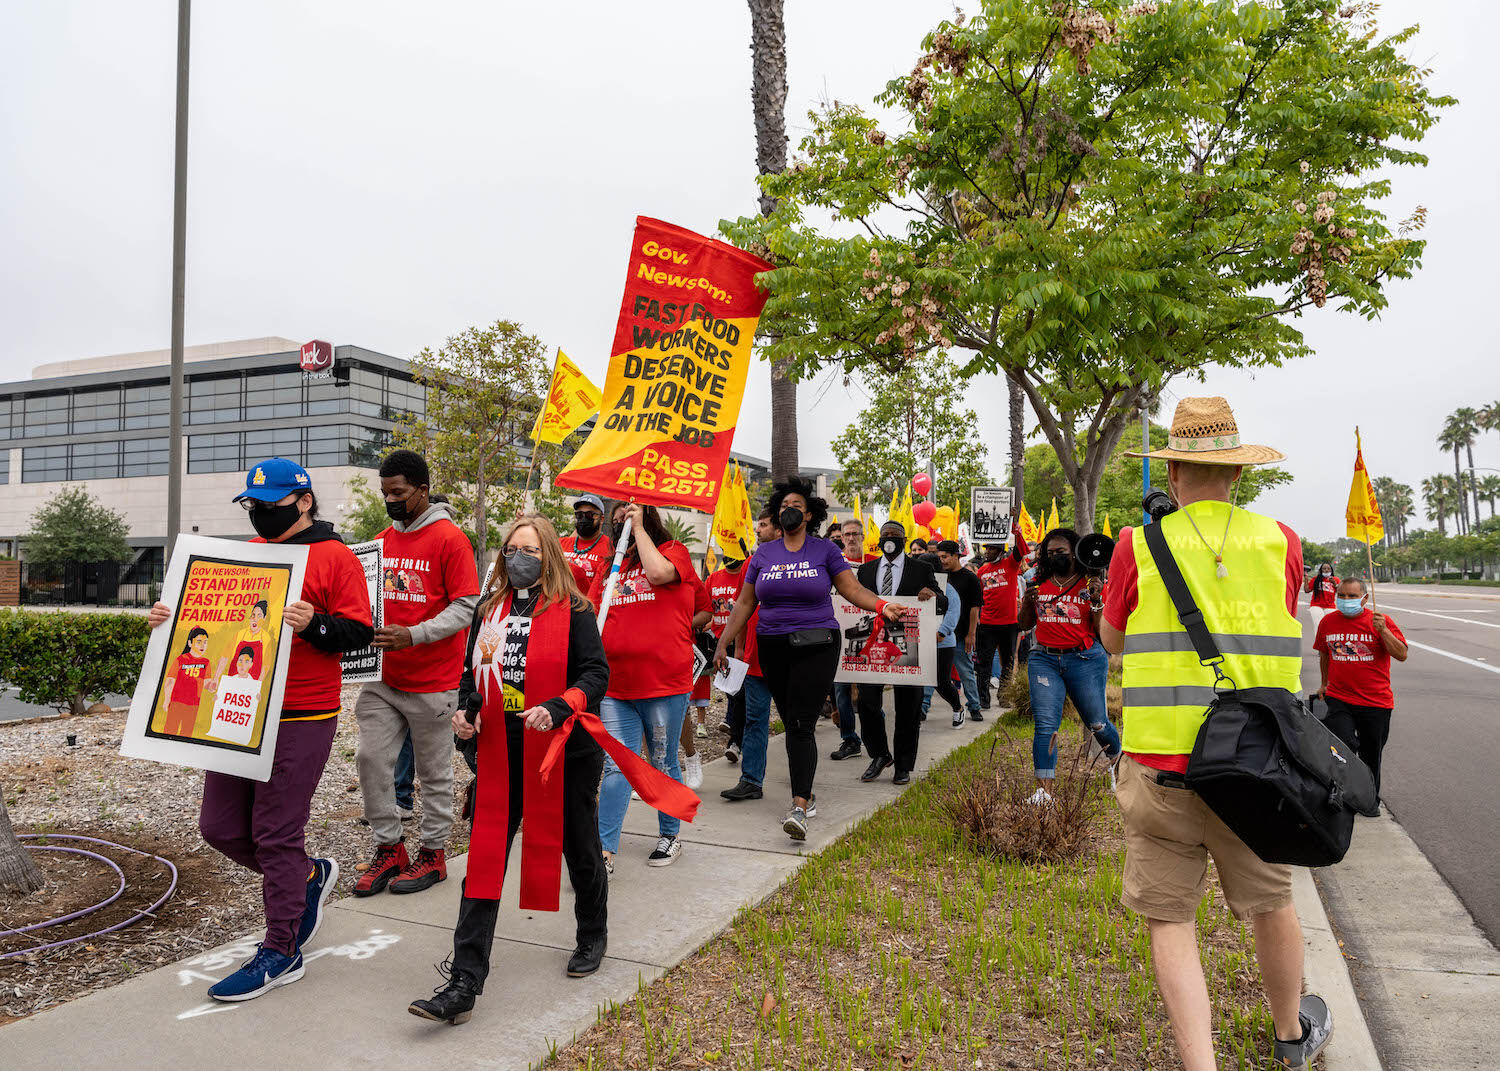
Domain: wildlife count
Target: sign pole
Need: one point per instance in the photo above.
(1145, 462)
(536, 431)
(614, 573)
(179, 280)
(1369, 560)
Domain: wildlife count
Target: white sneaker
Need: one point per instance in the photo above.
(701, 732)
(732, 754)
(692, 771)
(609, 865)
(406, 814)
(667, 851)
(1040, 797)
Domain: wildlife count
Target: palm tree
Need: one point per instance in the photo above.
(1469, 423)
(768, 98)
(1387, 491)
(1403, 506)
(18, 870)
(1489, 417)
(1452, 437)
(1489, 490)
(1436, 492)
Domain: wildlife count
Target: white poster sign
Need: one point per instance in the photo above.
(234, 710)
(876, 651)
(367, 663)
(990, 510)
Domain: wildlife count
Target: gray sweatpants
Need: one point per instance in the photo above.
(384, 714)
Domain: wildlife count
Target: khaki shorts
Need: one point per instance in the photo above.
(1169, 835)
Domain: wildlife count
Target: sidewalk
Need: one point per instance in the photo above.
(1428, 979)
(374, 956)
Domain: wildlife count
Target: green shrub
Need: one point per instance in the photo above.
(67, 660)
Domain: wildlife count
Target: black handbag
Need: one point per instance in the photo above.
(1275, 775)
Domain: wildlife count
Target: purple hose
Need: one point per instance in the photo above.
(88, 910)
(171, 888)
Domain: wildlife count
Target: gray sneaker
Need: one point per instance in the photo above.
(1317, 1029)
(795, 825)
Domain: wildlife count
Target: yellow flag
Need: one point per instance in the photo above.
(1106, 530)
(571, 399)
(712, 559)
(859, 512)
(1053, 522)
(906, 518)
(1027, 526)
(1362, 516)
(732, 532)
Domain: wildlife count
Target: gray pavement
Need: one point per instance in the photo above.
(12, 709)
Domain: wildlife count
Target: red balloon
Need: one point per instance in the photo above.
(921, 483)
(923, 512)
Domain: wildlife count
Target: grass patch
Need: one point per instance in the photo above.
(903, 946)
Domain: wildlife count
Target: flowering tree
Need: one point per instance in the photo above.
(1095, 199)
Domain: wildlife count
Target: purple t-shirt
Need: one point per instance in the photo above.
(795, 589)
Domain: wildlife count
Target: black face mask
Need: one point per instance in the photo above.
(397, 510)
(791, 519)
(891, 547)
(585, 524)
(272, 521)
(522, 570)
(616, 530)
(1060, 564)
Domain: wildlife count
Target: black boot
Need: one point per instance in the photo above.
(452, 1003)
(587, 956)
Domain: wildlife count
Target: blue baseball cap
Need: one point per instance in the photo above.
(273, 479)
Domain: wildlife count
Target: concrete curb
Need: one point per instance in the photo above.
(1326, 974)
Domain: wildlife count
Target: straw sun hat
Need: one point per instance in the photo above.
(1204, 432)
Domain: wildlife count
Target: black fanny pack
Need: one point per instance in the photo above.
(1277, 777)
(811, 637)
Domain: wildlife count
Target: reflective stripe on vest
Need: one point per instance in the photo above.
(1166, 690)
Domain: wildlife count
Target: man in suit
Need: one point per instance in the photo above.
(895, 573)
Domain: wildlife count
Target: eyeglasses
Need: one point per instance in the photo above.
(535, 552)
(249, 504)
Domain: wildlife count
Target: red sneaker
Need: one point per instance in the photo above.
(425, 871)
(389, 861)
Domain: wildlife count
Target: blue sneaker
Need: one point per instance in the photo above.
(319, 889)
(266, 970)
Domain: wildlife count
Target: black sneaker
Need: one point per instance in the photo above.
(847, 749)
(452, 1003)
(974, 715)
(1317, 1028)
(742, 791)
(876, 767)
(667, 851)
(903, 777)
(587, 957)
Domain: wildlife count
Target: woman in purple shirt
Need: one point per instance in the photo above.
(797, 634)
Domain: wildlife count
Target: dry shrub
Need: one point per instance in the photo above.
(993, 814)
(1015, 692)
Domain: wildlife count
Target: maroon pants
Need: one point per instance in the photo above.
(260, 824)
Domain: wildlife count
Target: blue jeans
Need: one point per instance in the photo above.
(843, 699)
(1075, 675)
(657, 719)
(757, 730)
(965, 664)
(406, 773)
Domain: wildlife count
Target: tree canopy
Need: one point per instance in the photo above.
(74, 526)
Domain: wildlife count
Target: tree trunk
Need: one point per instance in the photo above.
(18, 872)
(1462, 513)
(1017, 440)
(1085, 498)
(1473, 483)
(768, 99)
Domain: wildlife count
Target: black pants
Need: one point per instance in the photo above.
(734, 713)
(583, 764)
(799, 678)
(992, 639)
(1365, 729)
(908, 704)
(946, 686)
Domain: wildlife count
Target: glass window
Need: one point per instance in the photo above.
(94, 461)
(96, 410)
(145, 457)
(45, 414)
(216, 453)
(148, 406)
(43, 463)
(366, 392)
(404, 396)
(327, 446)
(273, 394)
(5, 419)
(367, 446)
(272, 442)
(4, 466)
(214, 400)
(326, 396)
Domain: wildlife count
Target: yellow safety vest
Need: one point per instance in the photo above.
(1167, 691)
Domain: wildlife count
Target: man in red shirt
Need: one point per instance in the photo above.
(723, 589)
(1000, 585)
(852, 536)
(426, 623)
(1355, 647)
(589, 549)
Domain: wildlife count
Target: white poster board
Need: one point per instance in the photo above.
(234, 710)
(990, 514)
(228, 600)
(873, 650)
(368, 663)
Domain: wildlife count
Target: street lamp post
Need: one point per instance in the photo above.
(179, 280)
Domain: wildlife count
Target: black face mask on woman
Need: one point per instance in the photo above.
(272, 521)
(1060, 563)
(791, 519)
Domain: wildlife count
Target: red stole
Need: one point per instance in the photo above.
(542, 792)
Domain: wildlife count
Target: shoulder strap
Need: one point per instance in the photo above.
(1176, 585)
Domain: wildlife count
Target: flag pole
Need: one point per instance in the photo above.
(1370, 560)
(614, 573)
(536, 429)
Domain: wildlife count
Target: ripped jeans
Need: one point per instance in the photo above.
(1078, 675)
(659, 721)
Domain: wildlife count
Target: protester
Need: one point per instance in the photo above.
(423, 641)
(1324, 586)
(693, 726)
(589, 549)
(797, 635)
(1355, 648)
(648, 639)
(965, 586)
(261, 825)
(947, 642)
(533, 659)
(853, 536)
(918, 546)
(895, 574)
(1000, 583)
(1230, 558)
(723, 589)
(1065, 663)
(755, 729)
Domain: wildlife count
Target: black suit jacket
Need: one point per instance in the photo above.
(915, 575)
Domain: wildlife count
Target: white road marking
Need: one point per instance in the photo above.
(1455, 657)
(1445, 617)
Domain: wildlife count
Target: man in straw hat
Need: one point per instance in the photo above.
(1244, 571)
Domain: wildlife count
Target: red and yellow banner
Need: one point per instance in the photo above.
(1362, 518)
(676, 371)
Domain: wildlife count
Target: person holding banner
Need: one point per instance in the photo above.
(533, 661)
(1355, 647)
(788, 580)
(648, 638)
(423, 642)
(589, 548)
(1000, 582)
(261, 825)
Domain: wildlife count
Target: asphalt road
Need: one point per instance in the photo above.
(1440, 777)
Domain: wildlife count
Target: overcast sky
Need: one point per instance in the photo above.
(386, 174)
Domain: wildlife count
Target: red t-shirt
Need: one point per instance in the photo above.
(588, 560)
(723, 590)
(1062, 615)
(334, 583)
(1359, 666)
(1122, 595)
(187, 686)
(438, 563)
(1000, 584)
(1323, 590)
(648, 635)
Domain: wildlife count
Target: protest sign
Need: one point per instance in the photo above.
(877, 651)
(368, 663)
(990, 514)
(210, 689)
(676, 372)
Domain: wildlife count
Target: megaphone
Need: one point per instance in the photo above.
(1094, 552)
